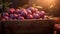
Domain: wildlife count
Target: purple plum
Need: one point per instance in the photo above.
(5, 14)
(36, 16)
(29, 11)
(17, 11)
(29, 16)
(11, 10)
(42, 14)
(20, 18)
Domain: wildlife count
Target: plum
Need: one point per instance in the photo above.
(23, 13)
(19, 15)
(6, 17)
(32, 9)
(5, 14)
(29, 16)
(29, 11)
(57, 27)
(37, 12)
(11, 10)
(42, 14)
(10, 19)
(17, 11)
(36, 16)
(13, 16)
(20, 18)
(3, 19)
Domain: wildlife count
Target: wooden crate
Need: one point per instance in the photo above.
(29, 27)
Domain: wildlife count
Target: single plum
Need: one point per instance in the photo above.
(11, 10)
(17, 11)
(36, 16)
(29, 16)
(20, 18)
(29, 11)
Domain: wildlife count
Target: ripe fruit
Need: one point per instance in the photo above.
(42, 14)
(11, 10)
(57, 27)
(10, 19)
(29, 16)
(11, 16)
(15, 16)
(20, 18)
(32, 9)
(6, 17)
(5, 14)
(3, 19)
(29, 11)
(37, 12)
(19, 15)
(17, 11)
(23, 12)
(36, 16)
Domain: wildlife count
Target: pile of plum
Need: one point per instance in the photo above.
(23, 13)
